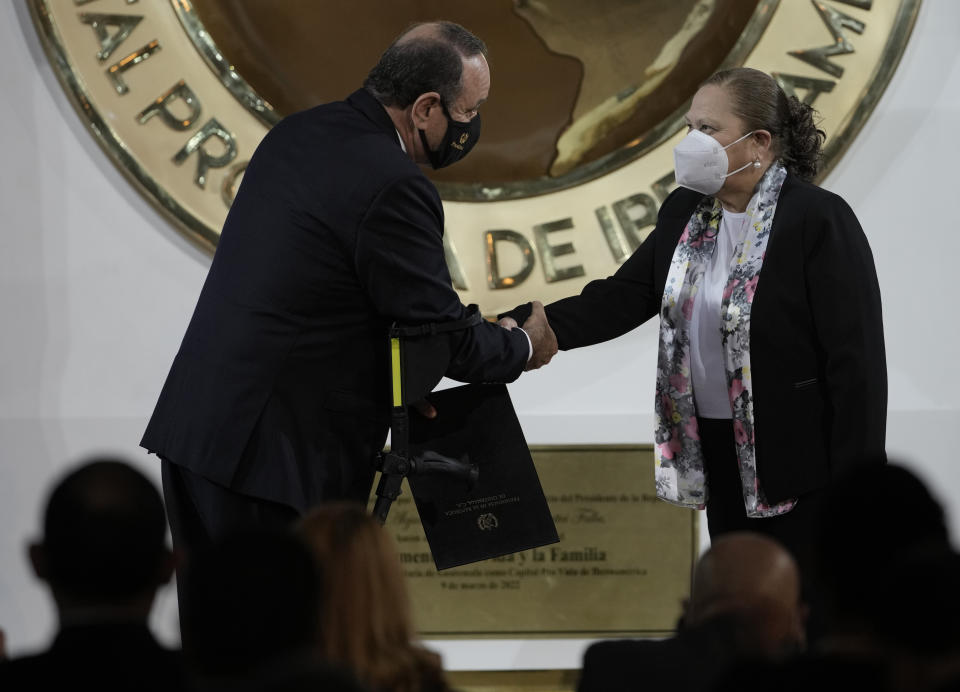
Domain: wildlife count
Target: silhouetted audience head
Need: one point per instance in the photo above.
(754, 580)
(871, 520)
(103, 540)
(366, 621)
(252, 602)
(915, 619)
(890, 581)
(103, 554)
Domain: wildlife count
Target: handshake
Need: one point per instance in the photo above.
(542, 338)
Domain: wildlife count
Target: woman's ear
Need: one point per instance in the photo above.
(763, 139)
(423, 107)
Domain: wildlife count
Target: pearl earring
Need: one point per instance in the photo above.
(757, 164)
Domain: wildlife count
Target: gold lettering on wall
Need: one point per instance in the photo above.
(115, 71)
(616, 240)
(663, 186)
(635, 213)
(161, 106)
(791, 82)
(548, 252)
(206, 160)
(125, 24)
(494, 279)
(836, 22)
(636, 216)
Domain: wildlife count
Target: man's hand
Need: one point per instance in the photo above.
(425, 408)
(542, 338)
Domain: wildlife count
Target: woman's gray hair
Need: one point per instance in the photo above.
(761, 104)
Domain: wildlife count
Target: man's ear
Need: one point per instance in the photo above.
(38, 559)
(423, 107)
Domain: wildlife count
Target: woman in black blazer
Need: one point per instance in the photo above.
(771, 375)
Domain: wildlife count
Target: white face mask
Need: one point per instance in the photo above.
(701, 163)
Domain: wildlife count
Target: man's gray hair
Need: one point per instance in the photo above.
(414, 66)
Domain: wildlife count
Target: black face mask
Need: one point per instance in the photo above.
(457, 141)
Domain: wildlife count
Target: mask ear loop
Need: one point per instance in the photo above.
(739, 140)
(755, 164)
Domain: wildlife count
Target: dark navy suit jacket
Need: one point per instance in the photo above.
(281, 386)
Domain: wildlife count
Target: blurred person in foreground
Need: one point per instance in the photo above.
(858, 547)
(918, 611)
(910, 642)
(745, 604)
(253, 615)
(876, 567)
(771, 374)
(366, 624)
(103, 556)
(888, 579)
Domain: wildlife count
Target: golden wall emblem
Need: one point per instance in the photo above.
(586, 106)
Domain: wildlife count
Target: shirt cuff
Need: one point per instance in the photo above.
(529, 343)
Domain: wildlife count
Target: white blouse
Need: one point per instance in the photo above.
(706, 345)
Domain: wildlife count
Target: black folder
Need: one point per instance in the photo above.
(506, 511)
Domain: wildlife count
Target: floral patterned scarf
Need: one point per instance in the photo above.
(680, 474)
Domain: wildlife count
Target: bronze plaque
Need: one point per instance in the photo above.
(622, 567)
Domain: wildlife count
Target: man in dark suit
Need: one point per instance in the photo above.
(279, 396)
(103, 556)
(745, 605)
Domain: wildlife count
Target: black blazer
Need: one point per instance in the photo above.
(100, 657)
(281, 386)
(816, 333)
